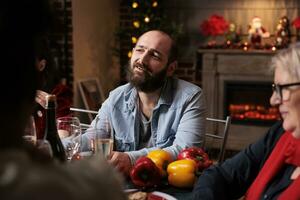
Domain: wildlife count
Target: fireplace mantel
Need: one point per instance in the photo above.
(219, 66)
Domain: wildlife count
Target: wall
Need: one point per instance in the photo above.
(94, 24)
(61, 39)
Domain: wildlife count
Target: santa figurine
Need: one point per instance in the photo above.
(257, 32)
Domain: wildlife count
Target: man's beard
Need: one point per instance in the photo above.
(147, 81)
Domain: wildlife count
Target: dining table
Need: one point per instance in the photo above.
(177, 193)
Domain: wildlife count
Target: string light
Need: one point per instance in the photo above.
(136, 24)
(147, 19)
(135, 5)
(246, 46)
(129, 54)
(133, 39)
(154, 4)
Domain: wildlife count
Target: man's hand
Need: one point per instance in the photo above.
(40, 97)
(121, 161)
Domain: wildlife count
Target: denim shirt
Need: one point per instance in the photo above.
(177, 120)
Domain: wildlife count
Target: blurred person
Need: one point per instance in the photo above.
(50, 82)
(154, 110)
(26, 173)
(269, 168)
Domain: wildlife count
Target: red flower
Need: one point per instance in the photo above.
(215, 25)
(296, 23)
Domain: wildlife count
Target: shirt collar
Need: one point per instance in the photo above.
(131, 97)
(167, 93)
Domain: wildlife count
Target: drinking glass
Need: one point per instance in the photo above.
(69, 131)
(101, 139)
(29, 134)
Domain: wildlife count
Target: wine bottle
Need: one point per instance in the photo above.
(51, 133)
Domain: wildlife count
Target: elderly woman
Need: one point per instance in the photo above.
(269, 168)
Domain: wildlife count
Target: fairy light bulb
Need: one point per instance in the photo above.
(246, 46)
(129, 54)
(154, 4)
(136, 24)
(135, 5)
(133, 39)
(147, 19)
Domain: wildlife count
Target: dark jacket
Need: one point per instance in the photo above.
(231, 179)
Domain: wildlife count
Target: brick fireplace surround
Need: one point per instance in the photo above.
(220, 66)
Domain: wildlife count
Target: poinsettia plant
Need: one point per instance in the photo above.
(296, 23)
(214, 25)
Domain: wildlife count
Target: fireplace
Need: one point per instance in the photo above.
(238, 83)
(248, 103)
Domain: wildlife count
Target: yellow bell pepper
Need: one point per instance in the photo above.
(161, 159)
(182, 173)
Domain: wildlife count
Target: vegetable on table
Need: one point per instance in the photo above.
(198, 155)
(145, 173)
(182, 173)
(161, 158)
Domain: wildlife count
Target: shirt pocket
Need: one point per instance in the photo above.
(122, 145)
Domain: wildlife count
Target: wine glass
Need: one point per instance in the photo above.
(101, 139)
(29, 134)
(69, 131)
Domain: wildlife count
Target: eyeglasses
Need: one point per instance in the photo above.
(278, 88)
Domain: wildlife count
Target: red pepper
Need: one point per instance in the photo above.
(145, 173)
(198, 155)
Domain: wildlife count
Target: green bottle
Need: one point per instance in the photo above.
(51, 133)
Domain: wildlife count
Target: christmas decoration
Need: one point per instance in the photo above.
(296, 24)
(283, 33)
(257, 32)
(232, 36)
(213, 26)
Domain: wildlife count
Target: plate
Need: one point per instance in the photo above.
(157, 193)
(130, 190)
(164, 195)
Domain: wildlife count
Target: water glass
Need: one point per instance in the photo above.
(101, 140)
(69, 131)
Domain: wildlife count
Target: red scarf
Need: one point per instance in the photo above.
(286, 151)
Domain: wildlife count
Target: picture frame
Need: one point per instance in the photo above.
(92, 94)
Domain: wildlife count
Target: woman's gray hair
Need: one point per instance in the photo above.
(289, 60)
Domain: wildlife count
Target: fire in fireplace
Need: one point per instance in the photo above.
(248, 103)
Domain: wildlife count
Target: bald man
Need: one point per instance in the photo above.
(154, 110)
